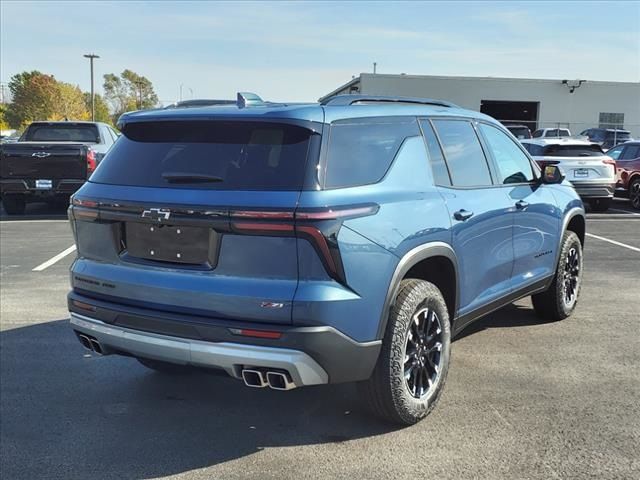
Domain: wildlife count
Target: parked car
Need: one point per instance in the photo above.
(627, 158)
(519, 131)
(50, 161)
(551, 133)
(294, 245)
(607, 137)
(584, 164)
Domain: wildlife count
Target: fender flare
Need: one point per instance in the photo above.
(411, 258)
(570, 215)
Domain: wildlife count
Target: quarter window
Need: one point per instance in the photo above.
(463, 153)
(513, 165)
(361, 150)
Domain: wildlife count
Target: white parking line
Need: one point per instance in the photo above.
(55, 259)
(624, 211)
(635, 249)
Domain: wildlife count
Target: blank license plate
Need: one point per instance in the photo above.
(581, 172)
(42, 184)
(168, 243)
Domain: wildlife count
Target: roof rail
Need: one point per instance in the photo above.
(345, 100)
(199, 102)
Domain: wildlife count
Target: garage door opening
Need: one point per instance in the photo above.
(512, 113)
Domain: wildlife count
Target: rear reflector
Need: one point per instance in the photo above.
(256, 333)
(83, 306)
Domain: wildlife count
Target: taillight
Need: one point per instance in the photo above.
(91, 161)
(83, 209)
(609, 161)
(319, 226)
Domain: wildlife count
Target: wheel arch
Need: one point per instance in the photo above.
(435, 262)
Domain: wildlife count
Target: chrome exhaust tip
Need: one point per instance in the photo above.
(84, 340)
(280, 381)
(95, 346)
(254, 378)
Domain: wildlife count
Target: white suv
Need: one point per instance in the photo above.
(583, 163)
(552, 133)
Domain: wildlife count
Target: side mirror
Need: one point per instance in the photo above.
(551, 174)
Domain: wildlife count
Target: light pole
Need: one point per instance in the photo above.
(91, 56)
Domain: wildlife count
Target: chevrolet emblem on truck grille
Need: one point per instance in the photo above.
(158, 214)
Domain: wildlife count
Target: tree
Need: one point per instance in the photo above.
(69, 104)
(127, 92)
(33, 96)
(4, 125)
(102, 109)
(37, 96)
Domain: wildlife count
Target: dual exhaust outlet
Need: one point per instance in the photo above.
(277, 380)
(90, 343)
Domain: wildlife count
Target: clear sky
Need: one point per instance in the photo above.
(300, 51)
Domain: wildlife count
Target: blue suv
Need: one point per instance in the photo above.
(302, 244)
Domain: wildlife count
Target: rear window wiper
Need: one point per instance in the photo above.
(180, 177)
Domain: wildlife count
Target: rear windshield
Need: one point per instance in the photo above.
(573, 151)
(232, 155)
(62, 133)
(557, 133)
(520, 132)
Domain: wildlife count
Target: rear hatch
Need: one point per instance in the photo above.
(580, 163)
(31, 161)
(196, 217)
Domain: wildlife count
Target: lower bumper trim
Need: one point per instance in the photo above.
(228, 356)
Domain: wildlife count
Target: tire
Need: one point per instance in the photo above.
(634, 193)
(560, 299)
(388, 393)
(14, 204)
(165, 367)
(600, 204)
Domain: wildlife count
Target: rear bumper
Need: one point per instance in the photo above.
(595, 190)
(312, 355)
(27, 187)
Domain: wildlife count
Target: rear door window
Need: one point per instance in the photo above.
(438, 165)
(361, 150)
(513, 165)
(228, 155)
(464, 156)
(631, 152)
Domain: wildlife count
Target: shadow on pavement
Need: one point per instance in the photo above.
(39, 211)
(66, 414)
(510, 316)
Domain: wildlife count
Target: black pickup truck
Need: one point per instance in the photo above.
(51, 161)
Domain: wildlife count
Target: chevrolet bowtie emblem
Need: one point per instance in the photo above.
(158, 214)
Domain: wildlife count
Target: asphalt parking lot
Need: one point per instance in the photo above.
(524, 399)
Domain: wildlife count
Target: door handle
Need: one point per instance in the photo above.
(463, 215)
(521, 204)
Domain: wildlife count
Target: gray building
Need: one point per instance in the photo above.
(574, 104)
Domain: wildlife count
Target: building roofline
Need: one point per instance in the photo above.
(351, 82)
(460, 77)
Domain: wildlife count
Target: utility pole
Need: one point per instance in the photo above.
(91, 56)
(139, 83)
(375, 65)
